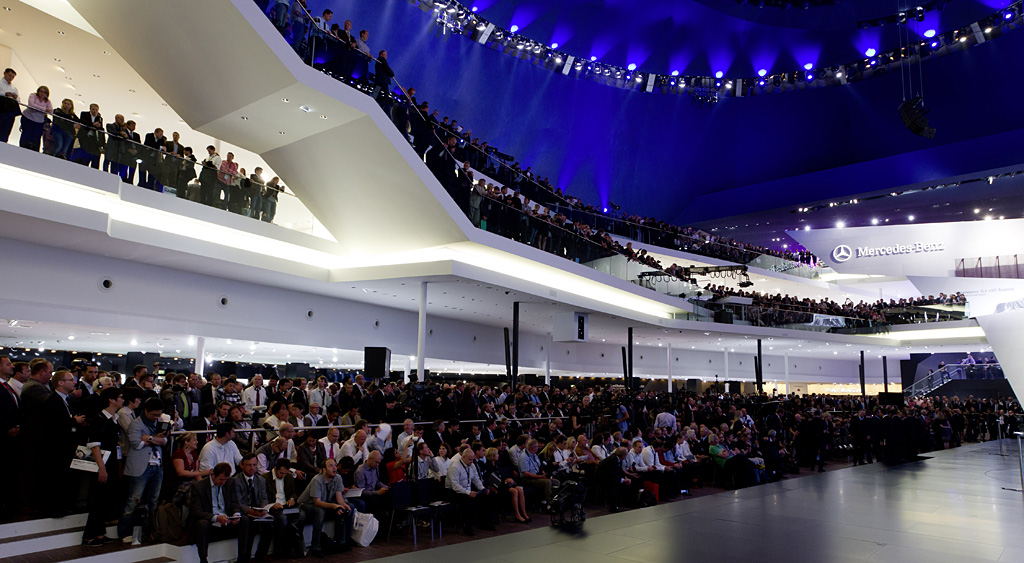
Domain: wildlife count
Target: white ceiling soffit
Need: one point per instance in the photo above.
(62, 10)
(1005, 332)
(351, 168)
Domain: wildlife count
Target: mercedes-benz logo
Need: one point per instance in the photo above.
(842, 253)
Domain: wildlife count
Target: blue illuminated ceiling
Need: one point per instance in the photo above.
(701, 37)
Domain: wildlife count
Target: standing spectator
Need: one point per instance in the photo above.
(300, 22)
(63, 129)
(151, 159)
(382, 75)
(34, 117)
(270, 199)
(208, 180)
(9, 108)
(226, 175)
(114, 155)
(279, 14)
(90, 137)
(104, 435)
(143, 465)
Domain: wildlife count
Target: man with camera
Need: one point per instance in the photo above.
(143, 466)
(324, 498)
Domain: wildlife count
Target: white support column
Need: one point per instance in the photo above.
(668, 366)
(200, 356)
(786, 356)
(421, 333)
(407, 369)
(726, 353)
(547, 361)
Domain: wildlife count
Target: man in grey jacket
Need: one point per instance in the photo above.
(251, 492)
(143, 465)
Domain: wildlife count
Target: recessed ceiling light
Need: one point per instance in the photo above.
(281, 132)
(106, 52)
(244, 118)
(285, 100)
(323, 117)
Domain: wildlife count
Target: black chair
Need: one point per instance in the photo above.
(402, 499)
(431, 494)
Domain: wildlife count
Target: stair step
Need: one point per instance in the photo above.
(113, 553)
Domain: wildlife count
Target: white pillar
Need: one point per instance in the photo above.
(200, 356)
(668, 364)
(421, 333)
(407, 369)
(547, 361)
(786, 357)
(726, 365)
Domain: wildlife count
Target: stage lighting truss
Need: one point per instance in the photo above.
(452, 17)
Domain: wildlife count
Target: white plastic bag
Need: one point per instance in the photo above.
(364, 528)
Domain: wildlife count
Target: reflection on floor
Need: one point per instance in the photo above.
(950, 508)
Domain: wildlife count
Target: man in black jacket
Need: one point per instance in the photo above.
(612, 478)
(151, 158)
(214, 504)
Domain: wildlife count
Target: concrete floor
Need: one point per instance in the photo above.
(949, 508)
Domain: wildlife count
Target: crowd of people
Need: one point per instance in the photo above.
(268, 457)
(337, 50)
(163, 164)
(779, 309)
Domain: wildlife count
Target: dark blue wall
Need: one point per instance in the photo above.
(653, 154)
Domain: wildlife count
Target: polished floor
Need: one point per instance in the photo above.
(949, 508)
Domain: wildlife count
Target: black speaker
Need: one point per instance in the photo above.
(376, 362)
(914, 116)
(291, 371)
(723, 316)
(891, 399)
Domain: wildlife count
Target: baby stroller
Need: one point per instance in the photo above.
(566, 506)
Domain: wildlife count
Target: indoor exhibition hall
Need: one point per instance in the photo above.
(511, 281)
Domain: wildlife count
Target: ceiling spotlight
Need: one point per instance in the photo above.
(632, 66)
(675, 73)
(988, 30)
(840, 224)
(963, 39)
(1008, 15)
(719, 74)
(808, 66)
(554, 45)
(930, 33)
(874, 221)
(135, 342)
(870, 52)
(593, 58)
(988, 217)
(910, 217)
(762, 72)
(514, 28)
(976, 210)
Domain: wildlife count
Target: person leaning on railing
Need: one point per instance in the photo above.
(34, 117)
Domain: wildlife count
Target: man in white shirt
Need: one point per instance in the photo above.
(666, 419)
(408, 429)
(221, 449)
(8, 106)
(470, 496)
(329, 444)
(19, 377)
(321, 395)
(255, 395)
(355, 447)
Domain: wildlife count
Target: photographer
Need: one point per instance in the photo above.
(143, 464)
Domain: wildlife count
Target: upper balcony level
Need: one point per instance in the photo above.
(344, 159)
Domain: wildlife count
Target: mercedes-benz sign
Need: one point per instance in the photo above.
(842, 253)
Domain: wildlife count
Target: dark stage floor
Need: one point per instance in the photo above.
(949, 508)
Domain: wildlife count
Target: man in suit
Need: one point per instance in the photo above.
(130, 152)
(9, 407)
(151, 158)
(143, 464)
(251, 491)
(89, 138)
(113, 155)
(60, 432)
(214, 504)
(281, 492)
(612, 478)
